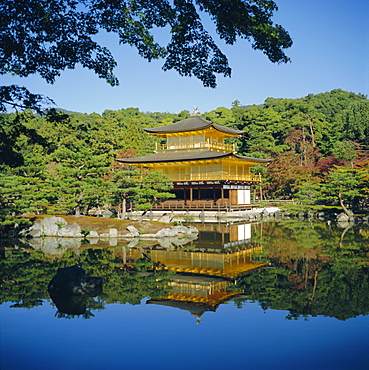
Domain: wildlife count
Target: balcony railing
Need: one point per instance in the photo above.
(203, 145)
(214, 176)
(209, 205)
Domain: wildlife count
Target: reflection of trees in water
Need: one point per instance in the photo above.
(340, 294)
(25, 276)
(317, 270)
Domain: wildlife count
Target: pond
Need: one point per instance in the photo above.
(283, 295)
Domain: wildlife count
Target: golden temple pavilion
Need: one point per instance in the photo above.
(205, 170)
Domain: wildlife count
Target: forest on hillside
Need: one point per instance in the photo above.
(62, 162)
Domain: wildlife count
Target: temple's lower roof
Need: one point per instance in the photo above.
(187, 156)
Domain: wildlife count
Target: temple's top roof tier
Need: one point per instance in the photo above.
(193, 123)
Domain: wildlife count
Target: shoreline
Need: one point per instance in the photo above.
(150, 222)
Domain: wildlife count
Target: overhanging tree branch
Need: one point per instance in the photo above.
(45, 37)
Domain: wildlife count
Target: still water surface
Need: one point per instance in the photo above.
(281, 295)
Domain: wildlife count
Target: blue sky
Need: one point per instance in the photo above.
(330, 51)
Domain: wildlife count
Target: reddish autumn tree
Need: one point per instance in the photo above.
(293, 166)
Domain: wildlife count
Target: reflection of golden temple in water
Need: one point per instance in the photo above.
(229, 265)
(204, 275)
(196, 294)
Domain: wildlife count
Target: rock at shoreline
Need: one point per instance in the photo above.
(343, 217)
(164, 233)
(109, 213)
(70, 231)
(55, 227)
(58, 228)
(113, 233)
(50, 226)
(133, 230)
(92, 235)
(35, 232)
(166, 218)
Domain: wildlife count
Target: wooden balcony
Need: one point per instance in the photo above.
(202, 205)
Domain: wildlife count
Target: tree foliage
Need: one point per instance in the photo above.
(345, 186)
(65, 162)
(306, 138)
(47, 37)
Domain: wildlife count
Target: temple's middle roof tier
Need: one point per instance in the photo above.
(188, 156)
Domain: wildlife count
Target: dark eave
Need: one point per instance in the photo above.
(195, 308)
(185, 157)
(193, 123)
(259, 160)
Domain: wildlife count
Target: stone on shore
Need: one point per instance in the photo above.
(92, 235)
(51, 225)
(133, 230)
(164, 233)
(113, 233)
(55, 227)
(35, 231)
(166, 218)
(70, 231)
(58, 228)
